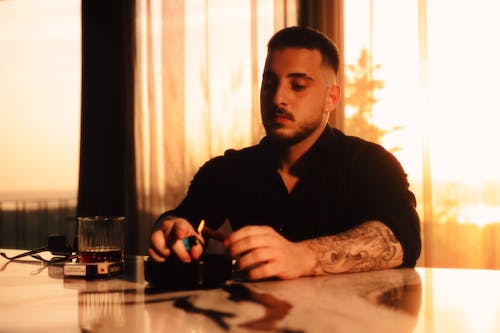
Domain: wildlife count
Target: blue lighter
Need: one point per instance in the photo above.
(189, 242)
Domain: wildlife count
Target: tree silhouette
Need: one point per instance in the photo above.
(360, 90)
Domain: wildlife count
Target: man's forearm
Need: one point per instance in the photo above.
(368, 247)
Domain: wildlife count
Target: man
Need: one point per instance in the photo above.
(307, 200)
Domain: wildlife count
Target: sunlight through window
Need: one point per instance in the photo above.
(40, 65)
(460, 81)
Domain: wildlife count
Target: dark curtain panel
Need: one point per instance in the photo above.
(328, 17)
(107, 172)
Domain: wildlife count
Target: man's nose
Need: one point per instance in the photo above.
(280, 95)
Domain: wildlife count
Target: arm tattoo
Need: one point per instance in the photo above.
(367, 247)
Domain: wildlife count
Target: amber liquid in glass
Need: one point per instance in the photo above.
(101, 255)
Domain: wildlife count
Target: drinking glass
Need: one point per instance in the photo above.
(101, 239)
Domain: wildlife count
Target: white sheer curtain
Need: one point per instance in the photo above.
(429, 76)
(197, 82)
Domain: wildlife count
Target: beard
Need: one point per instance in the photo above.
(288, 136)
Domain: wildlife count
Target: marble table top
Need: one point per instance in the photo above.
(35, 297)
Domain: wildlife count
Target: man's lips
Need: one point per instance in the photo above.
(274, 117)
(281, 119)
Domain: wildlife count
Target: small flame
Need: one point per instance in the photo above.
(201, 226)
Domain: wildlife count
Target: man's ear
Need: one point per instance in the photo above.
(332, 97)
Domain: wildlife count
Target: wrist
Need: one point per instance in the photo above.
(309, 259)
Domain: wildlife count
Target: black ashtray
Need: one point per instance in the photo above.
(210, 271)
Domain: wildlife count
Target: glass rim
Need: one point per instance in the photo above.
(101, 218)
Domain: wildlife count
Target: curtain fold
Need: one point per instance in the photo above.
(173, 82)
(107, 168)
(327, 16)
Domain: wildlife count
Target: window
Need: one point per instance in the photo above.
(40, 65)
(433, 73)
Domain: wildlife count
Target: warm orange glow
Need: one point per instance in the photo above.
(40, 64)
(461, 86)
(461, 303)
(480, 215)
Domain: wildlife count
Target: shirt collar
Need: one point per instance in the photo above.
(325, 144)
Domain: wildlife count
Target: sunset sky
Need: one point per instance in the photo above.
(40, 65)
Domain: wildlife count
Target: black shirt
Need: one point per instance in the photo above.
(343, 182)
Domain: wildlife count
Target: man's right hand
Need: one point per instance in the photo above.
(167, 237)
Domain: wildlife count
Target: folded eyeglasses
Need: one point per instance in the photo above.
(58, 245)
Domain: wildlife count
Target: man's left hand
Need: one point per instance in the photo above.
(264, 253)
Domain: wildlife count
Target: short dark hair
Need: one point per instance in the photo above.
(307, 38)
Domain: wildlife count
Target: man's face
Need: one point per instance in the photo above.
(296, 95)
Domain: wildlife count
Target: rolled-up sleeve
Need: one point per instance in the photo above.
(386, 197)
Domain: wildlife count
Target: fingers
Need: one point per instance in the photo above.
(179, 248)
(180, 251)
(264, 253)
(264, 271)
(249, 238)
(252, 259)
(197, 250)
(158, 249)
(168, 239)
(263, 263)
(258, 249)
(179, 232)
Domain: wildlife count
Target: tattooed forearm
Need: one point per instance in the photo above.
(367, 247)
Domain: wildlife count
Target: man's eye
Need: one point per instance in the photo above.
(298, 87)
(268, 84)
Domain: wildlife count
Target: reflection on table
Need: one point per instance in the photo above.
(34, 295)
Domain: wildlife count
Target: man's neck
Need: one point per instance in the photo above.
(289, 155)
